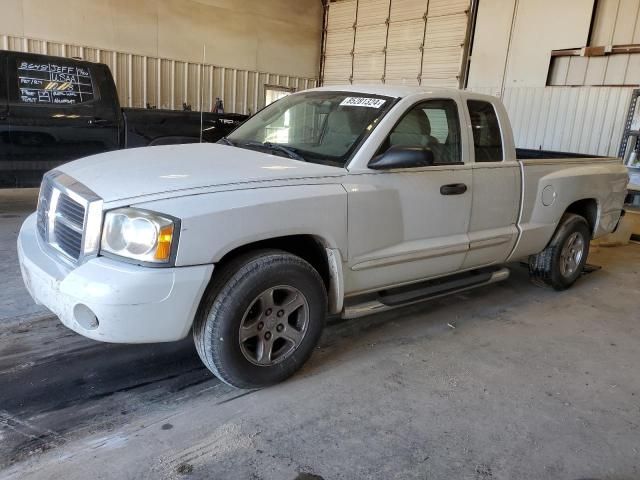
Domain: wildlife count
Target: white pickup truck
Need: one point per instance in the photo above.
(342, 200)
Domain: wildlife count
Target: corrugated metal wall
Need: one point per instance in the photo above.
(618, 69)
(168, 83)
(408, 42)
(586, 120)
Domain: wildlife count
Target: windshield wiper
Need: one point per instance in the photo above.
(290, 152)
(226, 141)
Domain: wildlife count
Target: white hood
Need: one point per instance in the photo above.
(152, 170)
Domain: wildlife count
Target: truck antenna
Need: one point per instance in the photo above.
(204, 52)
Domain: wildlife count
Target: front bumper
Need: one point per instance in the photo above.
(112, 301)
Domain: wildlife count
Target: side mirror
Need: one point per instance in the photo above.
(400, 156)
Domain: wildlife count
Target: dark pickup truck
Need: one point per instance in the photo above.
(54, 110)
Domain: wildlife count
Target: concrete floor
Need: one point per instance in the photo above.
(507, 382)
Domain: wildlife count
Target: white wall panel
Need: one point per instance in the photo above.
(586, 120)
(168, 83)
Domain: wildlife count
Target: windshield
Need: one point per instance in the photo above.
(319, 127)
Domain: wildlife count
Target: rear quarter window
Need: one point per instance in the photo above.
(54, 83)
(487, 137)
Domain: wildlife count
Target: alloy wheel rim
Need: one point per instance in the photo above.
(571, 255)
(274, 325)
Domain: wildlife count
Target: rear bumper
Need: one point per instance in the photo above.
(111, 301)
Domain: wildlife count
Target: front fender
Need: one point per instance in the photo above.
(214, 224)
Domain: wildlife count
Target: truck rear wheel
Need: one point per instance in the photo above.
(561, 263)
(260, 319)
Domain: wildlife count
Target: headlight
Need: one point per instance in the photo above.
(138, 234)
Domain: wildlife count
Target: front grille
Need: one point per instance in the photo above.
(72, 210)
(62, 214)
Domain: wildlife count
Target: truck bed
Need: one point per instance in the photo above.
(532, 154)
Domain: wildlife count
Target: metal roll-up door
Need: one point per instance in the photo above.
(444, 42)
(370, 42)
(404, 45)
(338, 54)
(406, 42)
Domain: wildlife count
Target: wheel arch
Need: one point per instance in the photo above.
(588, 209)
(311, 248)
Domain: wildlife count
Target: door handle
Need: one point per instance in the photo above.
(453, 189)
(98, 121)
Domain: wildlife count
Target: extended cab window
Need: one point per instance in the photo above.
(51, 83)
(487, 139)
(433, 124)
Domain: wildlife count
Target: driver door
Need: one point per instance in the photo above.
(411, 224)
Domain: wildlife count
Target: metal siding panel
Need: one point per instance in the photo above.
(633, 70)
(408, 9)
(608, 121)
(368, 66)
(577, 70)
(446, 31)
(616, 69)
(542, 119)
(370, 39)
(137, 86)
(339, 42)
(586, 134)
(561, 118)
(527, 112)
(619, 123)
(625, 22)
(598, 119)
(341, 14)
(578, 124)
(538, 95)
(559, 71)
(596, 70)
(152, 81)
(447, 7)
(567, 128)
(338, 68)
(372, 12)
(405, 35)
(403, 67)
(605, 19)
(441, 63)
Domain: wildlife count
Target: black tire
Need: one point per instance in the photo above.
(545, 268)
(228, 301)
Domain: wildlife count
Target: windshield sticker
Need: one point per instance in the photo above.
(362, 102)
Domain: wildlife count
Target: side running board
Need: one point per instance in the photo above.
(421, 292)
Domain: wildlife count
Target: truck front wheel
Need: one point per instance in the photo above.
(260, 318)
(561, 263)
